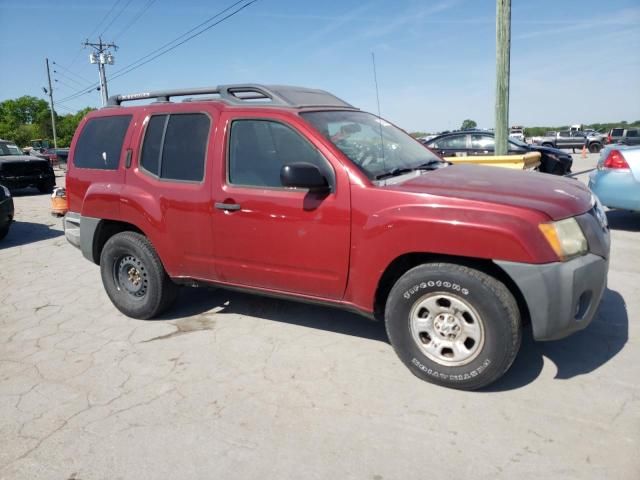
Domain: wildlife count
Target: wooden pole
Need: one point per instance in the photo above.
(503, 54)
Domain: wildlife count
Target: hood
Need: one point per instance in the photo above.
(21, 158)
(557, 197)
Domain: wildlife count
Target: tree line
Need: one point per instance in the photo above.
(28, 118)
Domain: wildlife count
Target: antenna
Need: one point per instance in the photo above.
(375, 81)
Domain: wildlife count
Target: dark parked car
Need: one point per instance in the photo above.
(19, 171)
(480, 142)
(6, 211)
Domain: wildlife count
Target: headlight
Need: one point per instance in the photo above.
(6, 191)
(565, 237)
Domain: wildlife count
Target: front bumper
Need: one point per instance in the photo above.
(22, 181)
(562, 297)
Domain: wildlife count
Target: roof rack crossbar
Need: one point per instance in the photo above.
(239, 95)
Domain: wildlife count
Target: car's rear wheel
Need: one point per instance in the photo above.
(134, 277)
(453, 326)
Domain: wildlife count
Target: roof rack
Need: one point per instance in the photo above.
(243, 94)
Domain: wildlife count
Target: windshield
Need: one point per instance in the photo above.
(374, 145)
(9, 149)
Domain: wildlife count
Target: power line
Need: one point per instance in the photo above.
(77, 55)
(163, 49)
(58, 81)
(79, 84)
(139, 63)
(72, 73)
(104, 18)
(134, 19)
(73, 96)
(116, 17)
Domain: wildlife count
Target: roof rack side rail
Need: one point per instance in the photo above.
(161, 95)
(235, 94)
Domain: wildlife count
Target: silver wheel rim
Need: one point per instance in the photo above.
(447, 329)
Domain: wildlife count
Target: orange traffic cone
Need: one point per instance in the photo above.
(584, 151)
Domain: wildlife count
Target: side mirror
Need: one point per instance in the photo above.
(303, 175)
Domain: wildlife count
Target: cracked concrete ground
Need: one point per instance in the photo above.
(228, 385)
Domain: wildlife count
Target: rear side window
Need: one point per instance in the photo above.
(617, 132)
(100, 143)
(175, 146)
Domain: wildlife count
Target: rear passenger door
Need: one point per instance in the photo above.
(168, 189)
(271, 237)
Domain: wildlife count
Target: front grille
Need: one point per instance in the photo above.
(24, 169)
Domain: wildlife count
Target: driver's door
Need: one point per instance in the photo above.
(268, 236)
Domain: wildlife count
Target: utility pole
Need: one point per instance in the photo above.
(503, 55)
(53, 114)
(101, 56)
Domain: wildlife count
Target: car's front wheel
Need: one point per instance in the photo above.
(134, 277)
(453, 325)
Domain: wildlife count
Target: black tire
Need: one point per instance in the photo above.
(46, 187)
(493, 311)
(134, 278)
(595, 148)
(547, 145)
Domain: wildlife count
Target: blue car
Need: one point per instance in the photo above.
(616, 179)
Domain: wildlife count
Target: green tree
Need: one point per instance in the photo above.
(468, 124)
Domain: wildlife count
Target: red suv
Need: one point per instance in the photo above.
(292, 192)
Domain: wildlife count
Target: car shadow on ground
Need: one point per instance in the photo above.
(23, 233)
(579, 354)
(624, 220)
(196, 301)
(26, 192)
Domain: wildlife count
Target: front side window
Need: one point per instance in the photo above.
(175, 146)
(100, 143)
(374, 145)
(258, 149)
(632, 133)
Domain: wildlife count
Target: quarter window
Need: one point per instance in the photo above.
(100, 143)
(175, 146)
(258, 149)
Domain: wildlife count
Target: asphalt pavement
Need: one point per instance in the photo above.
(233, 386)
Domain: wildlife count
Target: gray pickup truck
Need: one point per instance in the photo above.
(571, 139)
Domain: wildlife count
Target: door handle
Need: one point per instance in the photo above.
(227, 206)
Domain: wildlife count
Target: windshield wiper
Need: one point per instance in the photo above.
(394, 173)
(430, 165)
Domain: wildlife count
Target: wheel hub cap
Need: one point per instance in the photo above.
(447, 328)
